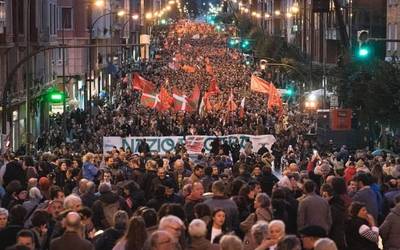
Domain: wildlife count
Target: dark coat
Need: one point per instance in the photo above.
(108, 239)
(14, 171)
(338, 213)
(70, 240)
(99, 219)
(8, 236)
(354, 239)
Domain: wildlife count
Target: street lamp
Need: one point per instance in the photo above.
(295, 8)
(119, 13)
(149, 15)
(135, 17)
(99, 3)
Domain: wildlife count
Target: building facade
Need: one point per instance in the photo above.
(392, 29)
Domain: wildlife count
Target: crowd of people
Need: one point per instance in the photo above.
(327, 197)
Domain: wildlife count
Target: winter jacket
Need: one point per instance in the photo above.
(353, 238)
(314, 210)
(230, 208)
(89, 171)
(108, 239)
(107, 199)
(70, 240)
(390, 230)
(339, 214)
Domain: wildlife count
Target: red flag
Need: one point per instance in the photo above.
(260, 85)
(274, 97)
(213, 88)
(194, 99)
(231, 105)
(142, 84)
(166, 101)
(209, 69)
(241, 112)
(275, 100)
(188, 69)
(150, 100)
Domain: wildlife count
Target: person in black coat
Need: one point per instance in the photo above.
(108, 239)
(361, 232)
(107, 198)
(339, 215)
(134, 196)
(14, 171)
(268, 180)
(144, 147)
(8, 236)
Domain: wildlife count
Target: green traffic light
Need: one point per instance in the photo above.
(363, 52)
(289, 92)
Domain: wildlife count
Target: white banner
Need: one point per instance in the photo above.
(193, 143)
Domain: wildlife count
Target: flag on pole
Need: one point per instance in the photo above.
(274, 97)
(259, 85)
(141, 84)
(150, 100)
(180, 102)
(209, 69)
(241, 112)
(213, 88)
(231, 105)
(166, 100)
(194, 99)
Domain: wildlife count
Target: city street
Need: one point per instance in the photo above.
(193, 124)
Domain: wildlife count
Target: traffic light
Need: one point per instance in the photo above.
(364, 49)
(245, 44)
(233, 42)
(290, 91)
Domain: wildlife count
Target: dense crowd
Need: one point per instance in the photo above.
(124, 115)
(328, 197)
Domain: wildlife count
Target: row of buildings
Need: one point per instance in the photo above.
(37, 28)
(318, 34)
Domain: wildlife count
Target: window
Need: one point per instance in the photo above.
(52, 10)
(21, 18)
(2, 16)
(66, 18)
(389, 35)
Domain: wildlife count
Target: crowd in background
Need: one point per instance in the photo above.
(327, 197)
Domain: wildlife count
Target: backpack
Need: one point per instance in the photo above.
(109, 210)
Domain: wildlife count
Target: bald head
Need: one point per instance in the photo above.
(73, 222)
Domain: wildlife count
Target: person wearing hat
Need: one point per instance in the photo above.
(311, 234)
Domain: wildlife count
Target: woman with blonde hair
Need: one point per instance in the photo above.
(89, 169)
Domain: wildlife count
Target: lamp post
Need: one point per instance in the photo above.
(91, 74)
(296, 9)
